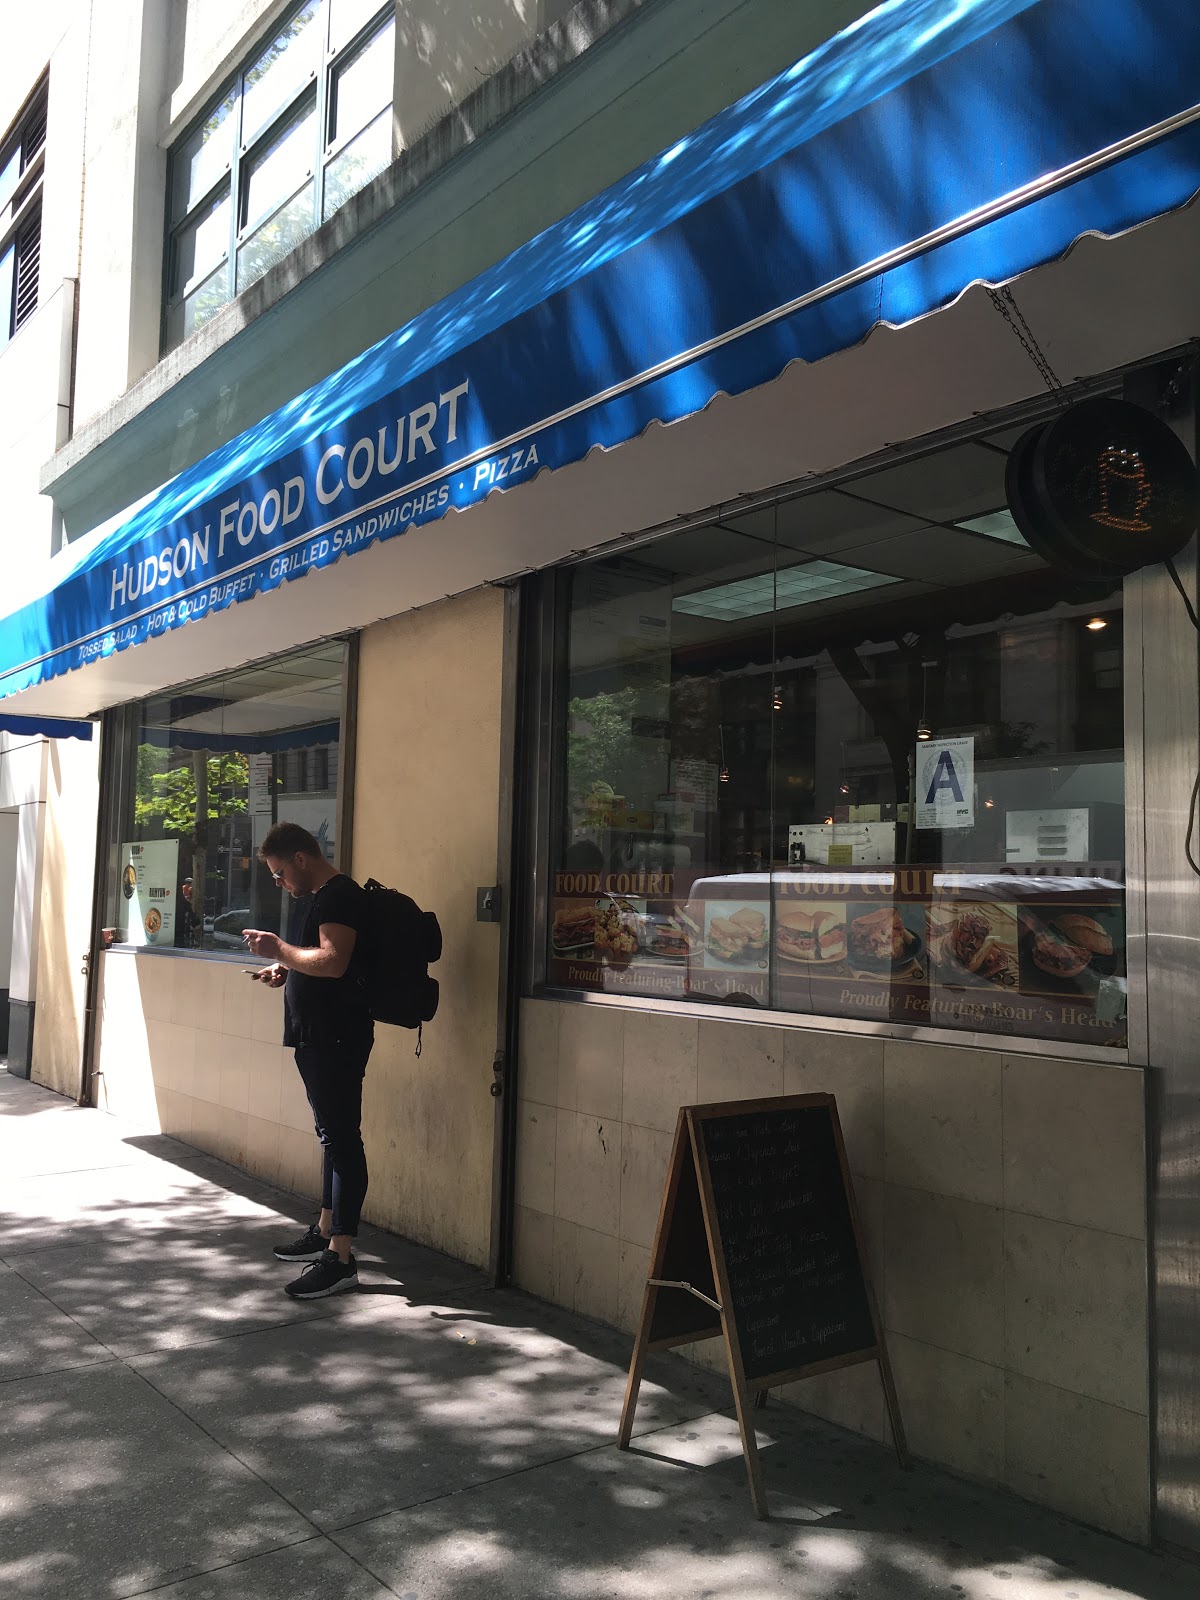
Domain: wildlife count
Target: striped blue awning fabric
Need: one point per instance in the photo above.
(933, 144)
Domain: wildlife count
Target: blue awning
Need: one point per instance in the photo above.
(46, 727)
(933, 144)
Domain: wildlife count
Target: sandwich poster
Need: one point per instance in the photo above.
(975, 950)
(620, 933)
(979, 949)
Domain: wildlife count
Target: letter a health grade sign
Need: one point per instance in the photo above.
(945, 773)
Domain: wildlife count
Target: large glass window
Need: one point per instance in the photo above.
(856, 754)
(303, 126)
(208, 770)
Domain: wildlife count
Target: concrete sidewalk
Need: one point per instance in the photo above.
(171, 1422)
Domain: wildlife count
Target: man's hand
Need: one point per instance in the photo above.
(264, 944)
(274, 977)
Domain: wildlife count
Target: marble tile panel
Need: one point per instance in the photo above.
(537, 1134)
(590, 1047)
(739, 1061)
(262, 1147)
(265, 1082)
(660, 1068)
(1075, 1143)
(851, 1397)
(587, 1171)
(952, 1408)
(538, 1074)
(237, 1060)
(1086, 1459)
(633, 1268)
(596, 1275)
(945, 1273)
(943, 1120)
(239, 999)
(645, 1158)
(208, 1056)
(849, 1066)
(533, 1253)
(1076, 1309)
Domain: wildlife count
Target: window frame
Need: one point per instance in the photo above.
(243, 153)
(123, 727)
(542, 765)
(21, 214)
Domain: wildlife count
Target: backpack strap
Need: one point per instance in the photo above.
(417, 1051)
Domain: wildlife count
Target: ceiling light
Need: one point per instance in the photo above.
(777, 699)
(924, 731)
(996, 525)
(807, 584)
(1097, 623)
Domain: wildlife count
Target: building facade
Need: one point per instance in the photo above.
(574, 454)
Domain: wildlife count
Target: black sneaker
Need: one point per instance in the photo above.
(310, 1246)
(326, 1276)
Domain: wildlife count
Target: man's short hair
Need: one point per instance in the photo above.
(288, 839)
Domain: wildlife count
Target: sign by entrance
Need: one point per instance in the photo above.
(149, 881)
(945, 774)
(1104, 489)
(759, 1243)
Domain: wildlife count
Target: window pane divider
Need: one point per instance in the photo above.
(249, 155)
(276, 117)
(333, 151)
(20, 217)
(29, 181)
(247, 234)
(370, 26)
(322, 132)
(251, 152)
(201, 278)
(206, 199)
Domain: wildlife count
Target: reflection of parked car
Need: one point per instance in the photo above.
(227, 929)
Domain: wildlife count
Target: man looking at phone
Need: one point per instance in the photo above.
(327, 1023)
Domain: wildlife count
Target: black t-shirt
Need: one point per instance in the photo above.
(325, 1010)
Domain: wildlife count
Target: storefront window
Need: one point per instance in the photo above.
(207, 771)
(857, 754)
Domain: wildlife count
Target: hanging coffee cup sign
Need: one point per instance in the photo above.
(1103, 489)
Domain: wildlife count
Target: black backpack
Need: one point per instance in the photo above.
(402, 940)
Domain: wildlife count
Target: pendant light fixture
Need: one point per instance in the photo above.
(924, 731)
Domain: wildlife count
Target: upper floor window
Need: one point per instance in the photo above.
(304, 124)
(22, 160)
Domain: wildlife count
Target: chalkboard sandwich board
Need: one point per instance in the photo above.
(759, 1243)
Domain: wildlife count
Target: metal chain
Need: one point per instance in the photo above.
(1008, 308)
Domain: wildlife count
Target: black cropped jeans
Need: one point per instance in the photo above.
(333, 1079)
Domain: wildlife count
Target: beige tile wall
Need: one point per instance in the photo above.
(192, 1047)
(1002, 1198)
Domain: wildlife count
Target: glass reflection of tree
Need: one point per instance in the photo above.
(185, 799)
(602, 747)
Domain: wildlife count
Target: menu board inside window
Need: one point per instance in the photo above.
(835, 758)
